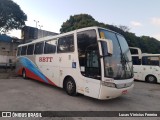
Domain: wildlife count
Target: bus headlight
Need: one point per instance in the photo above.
(108, 84)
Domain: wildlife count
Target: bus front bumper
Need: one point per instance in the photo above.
(110, 93)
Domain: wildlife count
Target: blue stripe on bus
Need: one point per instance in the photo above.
(32, 67)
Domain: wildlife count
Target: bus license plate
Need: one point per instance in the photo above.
(124, 92)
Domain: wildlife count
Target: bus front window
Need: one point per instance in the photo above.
(118, 65)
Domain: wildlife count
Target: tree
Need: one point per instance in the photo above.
(78, 21)
(124, 28)
(145, 43)
(11, 16)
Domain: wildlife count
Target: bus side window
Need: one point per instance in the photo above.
(50, 47)
(39, 48)
(23, 50)
(145, 60)
(66, 44)
(136, 60)
(19, 51)
(30, 49)
(150, 60)
(154, 61)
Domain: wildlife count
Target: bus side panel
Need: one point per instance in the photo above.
(151, 70)
(138, 72)
(29, 74)
(48, 64)
(32, 71)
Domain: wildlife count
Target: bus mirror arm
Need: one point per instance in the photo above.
(102, 56)
(138, 50)
(108, 45)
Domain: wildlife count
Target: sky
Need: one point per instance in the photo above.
(141, 16)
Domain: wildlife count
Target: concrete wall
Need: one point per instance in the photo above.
(7, 51)
(5, 59)
(31, 33)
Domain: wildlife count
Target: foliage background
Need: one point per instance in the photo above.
(11, 16)
(146, 43)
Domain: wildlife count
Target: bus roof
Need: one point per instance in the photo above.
(64, 34)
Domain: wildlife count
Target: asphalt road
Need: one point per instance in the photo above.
(29, 95)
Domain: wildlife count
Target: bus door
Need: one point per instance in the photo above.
(89, 62)
(92, 73)
(138, 72)
(137, 68)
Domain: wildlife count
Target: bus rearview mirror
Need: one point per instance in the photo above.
(107, 47)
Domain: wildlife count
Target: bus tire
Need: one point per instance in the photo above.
(24, 74)
(70, 86)
(151, 79)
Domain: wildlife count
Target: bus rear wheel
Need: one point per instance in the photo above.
(151, 79)
(24, 74)
(70, 87)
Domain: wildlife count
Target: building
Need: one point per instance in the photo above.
(8, 48)
(31, 33)
(8, 45)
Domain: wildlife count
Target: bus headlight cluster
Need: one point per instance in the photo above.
(124, 85)
(108, 84)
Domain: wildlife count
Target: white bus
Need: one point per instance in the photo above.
(146, 66)
(92, 61)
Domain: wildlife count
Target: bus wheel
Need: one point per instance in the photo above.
(70, 87)
(24, 74)
(151, 79)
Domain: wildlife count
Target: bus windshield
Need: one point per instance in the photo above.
(118, 65)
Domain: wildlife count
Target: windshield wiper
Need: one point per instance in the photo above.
(124, 61)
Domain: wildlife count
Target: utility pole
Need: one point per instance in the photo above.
(36, 21)
(40, 26)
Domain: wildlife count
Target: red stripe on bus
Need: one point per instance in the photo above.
(50, 82)
(31, 75)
